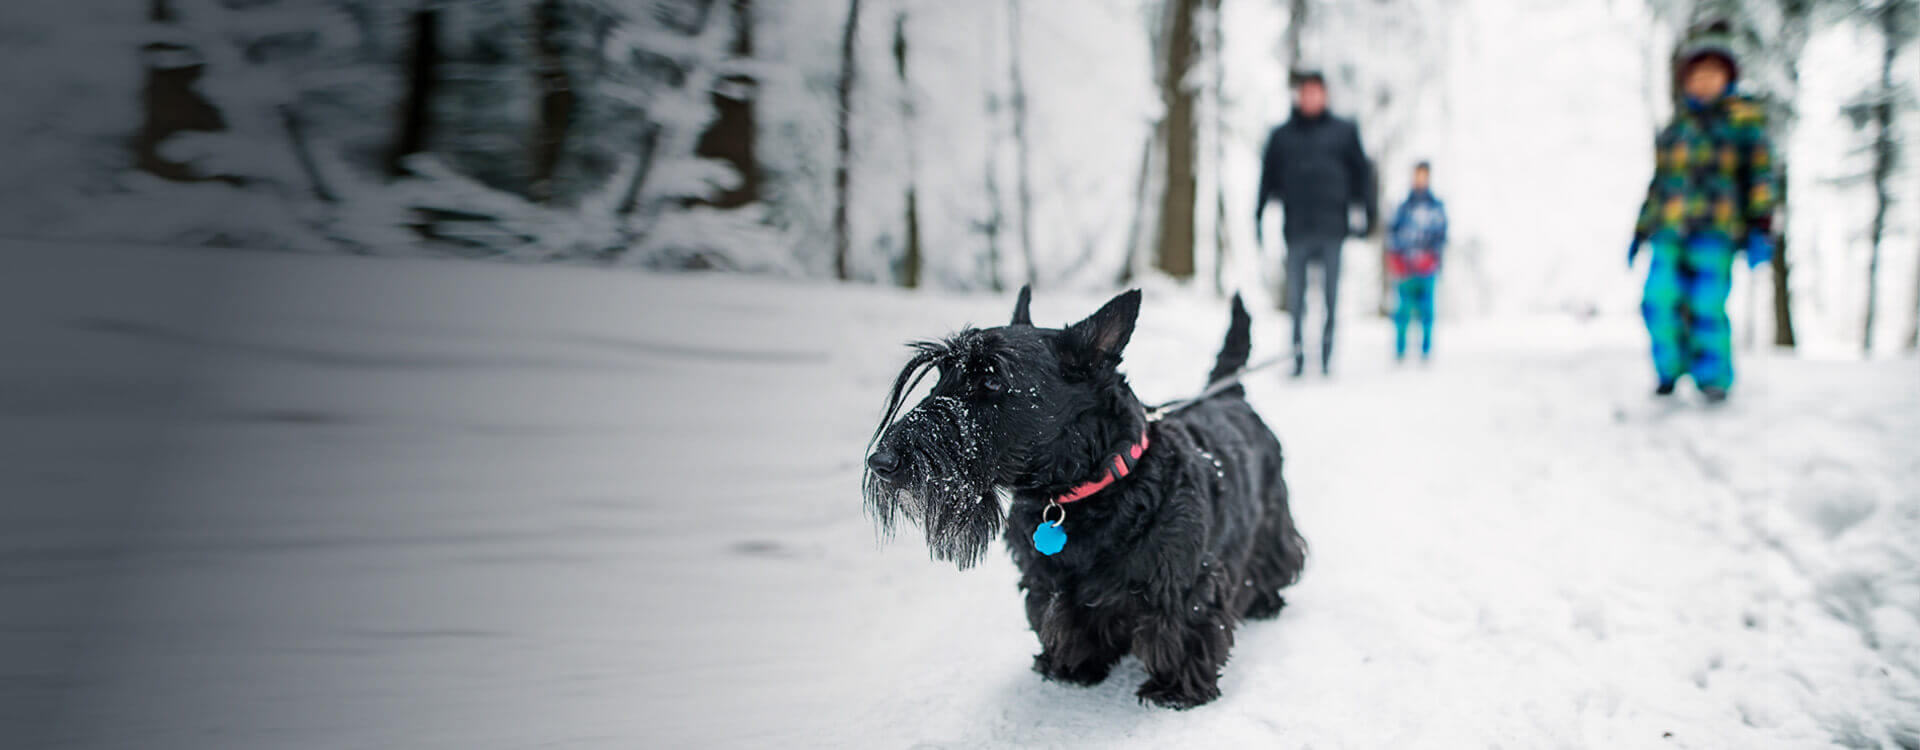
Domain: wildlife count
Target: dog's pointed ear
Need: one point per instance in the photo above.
(1021, 316)
(1103, 334)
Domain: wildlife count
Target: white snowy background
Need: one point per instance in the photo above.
(311, 499)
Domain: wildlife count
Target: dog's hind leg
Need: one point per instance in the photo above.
(1264, 603)
(1278, 555)
(1076, 645)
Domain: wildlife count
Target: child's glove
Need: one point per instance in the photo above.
(1759, 249)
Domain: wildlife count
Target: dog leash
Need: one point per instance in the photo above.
(1160, 412)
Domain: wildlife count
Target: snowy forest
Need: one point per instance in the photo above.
(968, 146)
(505, 373)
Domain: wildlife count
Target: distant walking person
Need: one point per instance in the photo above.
(1415, 241)
(1712, 192)
(1315, 167)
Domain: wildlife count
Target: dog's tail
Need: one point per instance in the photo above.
(1233, 353)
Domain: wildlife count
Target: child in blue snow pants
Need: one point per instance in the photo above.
(1712, 193)
(1685, 306)
(1416, 241)
(1416, 303)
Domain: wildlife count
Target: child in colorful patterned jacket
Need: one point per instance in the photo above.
(1415, 242)
(1713, 191)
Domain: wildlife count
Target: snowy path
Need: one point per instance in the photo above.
(461, 505)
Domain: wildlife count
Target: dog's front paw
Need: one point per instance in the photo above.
(1085, 675)
(1175, 696)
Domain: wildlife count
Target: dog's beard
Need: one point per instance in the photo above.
(958, 510)
(949, 491)
(946, 493)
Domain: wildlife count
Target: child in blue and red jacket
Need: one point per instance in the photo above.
(1415, 241)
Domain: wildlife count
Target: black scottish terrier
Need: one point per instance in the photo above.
(1132, 535)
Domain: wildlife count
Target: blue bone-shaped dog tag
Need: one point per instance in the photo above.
(1049, 538)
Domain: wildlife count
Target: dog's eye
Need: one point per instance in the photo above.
(992, 384)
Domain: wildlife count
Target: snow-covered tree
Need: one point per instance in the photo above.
(1878, 110)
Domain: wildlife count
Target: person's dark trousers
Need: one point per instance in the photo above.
(1300, 254)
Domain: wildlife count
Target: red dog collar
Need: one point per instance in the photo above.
(1048, 536)
(1123, 463)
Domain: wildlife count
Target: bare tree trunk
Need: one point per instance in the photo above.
(1296, 26)
(1021, 162)
(1883, 153)
(303, 153)
(1176, 236)
(1782, 291)
(170, 105)
(554, 100)
(649, 145)
(843, 148)
(1797, 18)
(910, 263)
(1297, 15)
(1218, 53)
(733, 136)
(416, 114)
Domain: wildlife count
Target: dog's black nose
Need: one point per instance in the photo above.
(884, 462)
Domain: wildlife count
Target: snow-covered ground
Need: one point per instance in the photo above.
(276, 501)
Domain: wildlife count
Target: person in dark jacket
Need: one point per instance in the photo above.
(1315, 167)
